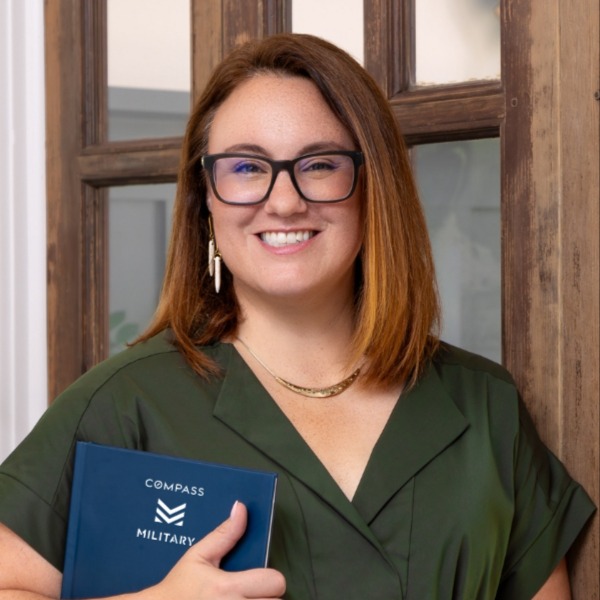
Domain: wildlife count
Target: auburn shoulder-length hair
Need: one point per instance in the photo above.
(396, 302)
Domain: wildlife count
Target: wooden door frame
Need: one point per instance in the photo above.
(551, 227)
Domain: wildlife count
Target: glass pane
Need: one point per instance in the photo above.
(139, 227)
(457, 40)
(338, 21)
(460, 190)
(148, 68)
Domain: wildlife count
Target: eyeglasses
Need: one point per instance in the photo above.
(245, 179)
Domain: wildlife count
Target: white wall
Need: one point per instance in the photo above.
(23, 373)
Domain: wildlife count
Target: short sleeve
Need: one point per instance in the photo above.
(35, 480)
(550, 511)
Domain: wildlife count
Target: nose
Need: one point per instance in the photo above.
(284, 199)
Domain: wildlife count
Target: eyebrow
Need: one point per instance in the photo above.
(323, 146)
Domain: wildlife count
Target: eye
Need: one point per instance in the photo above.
(249, 167)
(320, 166)
(317, 163)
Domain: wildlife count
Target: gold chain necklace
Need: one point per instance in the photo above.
(327, 392)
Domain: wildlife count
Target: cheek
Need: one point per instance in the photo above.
(230, 225)
(356, 224)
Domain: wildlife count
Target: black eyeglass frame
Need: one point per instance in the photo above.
(208, 162)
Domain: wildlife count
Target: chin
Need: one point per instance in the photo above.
(288, 289)
(294, 285)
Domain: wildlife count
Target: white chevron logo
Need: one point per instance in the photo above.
(170, 516)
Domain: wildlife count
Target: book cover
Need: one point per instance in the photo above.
(133, 514)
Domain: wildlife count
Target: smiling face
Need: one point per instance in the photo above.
(284, 247)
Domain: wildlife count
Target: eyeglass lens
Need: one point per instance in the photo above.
(320, 178)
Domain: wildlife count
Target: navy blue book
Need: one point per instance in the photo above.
(133, 514)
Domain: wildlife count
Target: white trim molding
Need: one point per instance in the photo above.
(23, 340)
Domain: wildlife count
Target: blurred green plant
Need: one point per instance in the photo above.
(120, 331)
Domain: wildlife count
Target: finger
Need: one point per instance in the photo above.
(259, 583)
(214, 546)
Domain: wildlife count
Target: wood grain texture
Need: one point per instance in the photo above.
(131, 162)
(551, 237)
(465, 111)
(253, 19)
(579, 79)
(64, 128)
(207, 46)
(389, 44)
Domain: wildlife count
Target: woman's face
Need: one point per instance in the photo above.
(285, 247)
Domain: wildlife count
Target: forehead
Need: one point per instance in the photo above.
(277, 113)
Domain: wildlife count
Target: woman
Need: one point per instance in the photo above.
(296, 333)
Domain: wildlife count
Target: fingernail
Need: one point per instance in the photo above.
(233, 509)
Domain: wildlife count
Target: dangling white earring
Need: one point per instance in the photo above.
(217, 271)
(211, 257)
(214, 257)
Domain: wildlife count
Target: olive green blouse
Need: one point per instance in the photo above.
(459, 499)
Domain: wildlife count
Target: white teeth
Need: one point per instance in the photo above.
(280, 238)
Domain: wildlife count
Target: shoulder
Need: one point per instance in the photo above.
(149, 376)
(156, 361)
(483, 390)
(456, 366)
(138, 357)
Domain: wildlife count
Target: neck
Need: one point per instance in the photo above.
(303, 345)
(332, 311)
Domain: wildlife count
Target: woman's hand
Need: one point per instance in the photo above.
(26, 574)
(197, 575)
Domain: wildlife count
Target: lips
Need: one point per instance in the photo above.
(278, 239)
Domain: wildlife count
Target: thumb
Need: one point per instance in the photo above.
(214, 546)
